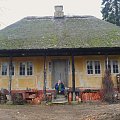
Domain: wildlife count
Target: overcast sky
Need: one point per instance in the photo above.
(14, 10)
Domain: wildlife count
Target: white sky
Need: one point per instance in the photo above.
(14, 10)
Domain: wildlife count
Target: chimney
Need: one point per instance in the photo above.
(58, 11)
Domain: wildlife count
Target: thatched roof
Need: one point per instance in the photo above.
(67, 32)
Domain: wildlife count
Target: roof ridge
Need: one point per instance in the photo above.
(51, 17)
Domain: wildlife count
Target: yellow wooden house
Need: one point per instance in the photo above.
(36, 52)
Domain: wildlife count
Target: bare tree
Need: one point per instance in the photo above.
(108, 87)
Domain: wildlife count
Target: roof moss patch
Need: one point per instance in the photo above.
(68, 32)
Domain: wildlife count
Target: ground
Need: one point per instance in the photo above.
(84, 111)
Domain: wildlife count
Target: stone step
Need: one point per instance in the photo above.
(60, 102)
(60, 99)
(57, 101)
(60, 96)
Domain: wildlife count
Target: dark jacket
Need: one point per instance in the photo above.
(60, 87)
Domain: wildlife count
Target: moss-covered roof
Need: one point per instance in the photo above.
(67, 32)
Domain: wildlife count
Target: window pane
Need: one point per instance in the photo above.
(89, 67)
(97, 67)
(29, 68)
(115, 66)
(4, 68)
(22, 68)
(12, 68)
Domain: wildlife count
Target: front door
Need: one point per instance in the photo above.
(60, 72)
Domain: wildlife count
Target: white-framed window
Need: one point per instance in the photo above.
(29, 68)
(89, 67)
(113, 66)
(22, 68)
(93, 67)
(12, 69)
(97, 67)
(26, 68)
(4, 68)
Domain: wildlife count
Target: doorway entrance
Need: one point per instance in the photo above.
(60, 72)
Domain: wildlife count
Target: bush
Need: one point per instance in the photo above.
(18, 99)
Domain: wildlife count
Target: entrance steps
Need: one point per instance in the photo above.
(60, 99)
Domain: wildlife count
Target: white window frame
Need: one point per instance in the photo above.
(97, 68)
(21, 69)
(88, 61)
(111, 64)
(29, 70)
(7, 68)
(2, 68)
(13, 64)
(26, 68)
(93, 66)
(117, 66)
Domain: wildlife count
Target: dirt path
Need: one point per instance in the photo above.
(60, 112)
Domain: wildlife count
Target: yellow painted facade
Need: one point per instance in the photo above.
(35, 81)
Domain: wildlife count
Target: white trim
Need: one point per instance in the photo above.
(25, 68)
(32, 68)
(1, 63)
(111, 64)
(117, 64)
(19, 69)
(93, 65)
(97, 69)
(13, 63)
(7, 69)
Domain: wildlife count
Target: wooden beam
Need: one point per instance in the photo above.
(45, 77)
(10, 77)
(60, 52)
(73, 74)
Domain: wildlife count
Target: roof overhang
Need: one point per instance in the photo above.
(60, 52)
